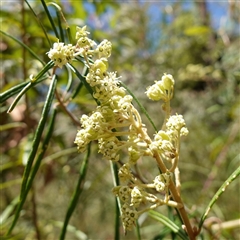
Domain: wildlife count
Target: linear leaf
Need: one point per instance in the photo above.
(114, 170)
(36, 142)
(39, 22)
(17, 88)
(168, 223)
(24, 46)
(8, 210)
(50, 18)
(30, 84)
(59, 14)
(220, 191)
(76, 194)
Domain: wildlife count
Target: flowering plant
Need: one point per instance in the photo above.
(117, 125)
(123, 139)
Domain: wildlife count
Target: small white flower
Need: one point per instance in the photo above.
(154, 93)
(168, 81)
(176, 122)
(61, 54)
(136, 197)
(81, 32)
(104, 48)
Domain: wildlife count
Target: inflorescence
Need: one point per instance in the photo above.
(116, 124)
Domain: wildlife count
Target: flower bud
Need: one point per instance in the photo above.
(101, 65)
(154, 93)
(167, 81)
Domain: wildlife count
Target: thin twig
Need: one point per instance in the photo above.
(177, 198)
(62, 105)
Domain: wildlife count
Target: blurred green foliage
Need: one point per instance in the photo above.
(205, 64)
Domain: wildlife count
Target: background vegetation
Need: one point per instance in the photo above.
(183, 39)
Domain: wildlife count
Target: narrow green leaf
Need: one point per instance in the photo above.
(17, 88)
(59, 13)
(77, 193)
(12, 91)
(39, 159)
(47, 67)
(83, 80)
(138, 231)
(10, 183)
(24, 46)
(40, 23)
(36, 142)
(8, 210)
(70, 79)
(9, 165)
(78, 88)
(30, 84)
(62, 38)
(59, 154)
(43, 149)
(70, 228)
(114, 170)
(117, 221)
(16, 100)
(12, 125)
(37, 164)
(39, 131)
(168, 223)
(220, 191)
(27, 147)
(50, 18)
(69, 35)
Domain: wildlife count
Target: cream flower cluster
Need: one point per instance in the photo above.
(162, 89)
(166, 142)
(114, 121)
(83, 42)
(61, 54)
(134, 194)
(116, 125)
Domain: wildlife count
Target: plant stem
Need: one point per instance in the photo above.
(64, 108)
(177, 198)
(167, 109)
